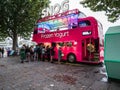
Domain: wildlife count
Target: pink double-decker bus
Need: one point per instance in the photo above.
(79, 37)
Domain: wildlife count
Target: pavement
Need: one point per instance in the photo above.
(39, 75)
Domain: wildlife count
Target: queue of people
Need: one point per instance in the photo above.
(39, 53)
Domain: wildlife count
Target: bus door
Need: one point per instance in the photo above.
(97, 50)
(84, 49)
(91, 49)
(88, 49)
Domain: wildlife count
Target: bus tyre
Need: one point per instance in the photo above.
(71, 58)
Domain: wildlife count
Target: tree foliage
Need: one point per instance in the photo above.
(17, 17)
(111, 7)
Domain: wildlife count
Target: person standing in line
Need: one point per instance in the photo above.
(27, 52)
(48, 53)
(39, 51)
(35, 53)
(31, 53)
(59, 54)
(43, 53)
(52, 53)
(22, 54)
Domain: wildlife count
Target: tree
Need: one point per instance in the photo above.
(17, 17)
(111, 7)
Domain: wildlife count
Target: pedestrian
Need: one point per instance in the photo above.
(2, 52)
(43, 53)
(39, 51)
(22, 54)
(48, 53)
(27, 53)
(59, 54)
(52, 53)
(31, 53)
(35, 53)
(8, 51)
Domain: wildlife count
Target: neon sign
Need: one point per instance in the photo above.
(57, 8)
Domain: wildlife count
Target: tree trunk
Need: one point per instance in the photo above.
(15, 39)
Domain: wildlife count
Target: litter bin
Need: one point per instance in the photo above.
(112, 52)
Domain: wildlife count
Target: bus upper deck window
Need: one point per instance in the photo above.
(84, 23)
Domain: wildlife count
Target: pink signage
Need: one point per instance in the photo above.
(65, 35)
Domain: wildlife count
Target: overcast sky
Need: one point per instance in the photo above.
(100, 16)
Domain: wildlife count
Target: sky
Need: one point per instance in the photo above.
(100, 16)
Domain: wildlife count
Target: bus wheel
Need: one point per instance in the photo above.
(71, 58)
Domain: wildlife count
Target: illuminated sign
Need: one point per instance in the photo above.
(57, 8)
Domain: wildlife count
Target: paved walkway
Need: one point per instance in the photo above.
(52, 76)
